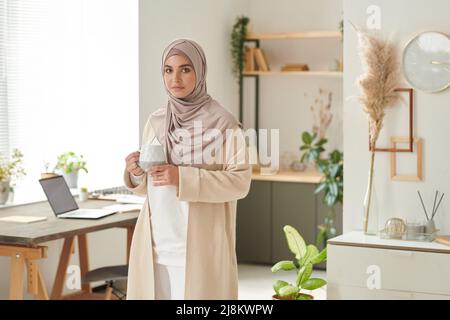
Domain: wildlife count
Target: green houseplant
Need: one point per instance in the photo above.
(305, 257)
(238, 35)
(332, 183)
(69, 164)
(10, 170)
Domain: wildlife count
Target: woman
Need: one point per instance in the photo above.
(184, 241)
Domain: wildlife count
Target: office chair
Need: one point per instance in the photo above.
(109, 275)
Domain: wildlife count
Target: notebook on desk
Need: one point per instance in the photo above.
(22, 219)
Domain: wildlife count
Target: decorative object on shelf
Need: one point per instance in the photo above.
(395, 228)
(335, 66)
(261, 60)
(69, 164)
(10, 171)
(430, 226)
(414, 230)
(377, 85)
(84, 194)
(426, 61)
(410, 141)
(297, 166)
(305, 257)
(249, 59)
(370, 204)
(419, 146)
(286, 160)
(238, 35)
(321, 111)
(295, 67)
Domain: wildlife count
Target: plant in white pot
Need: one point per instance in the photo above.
(10, 170)
(69, 164)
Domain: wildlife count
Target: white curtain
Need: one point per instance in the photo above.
(69, 82)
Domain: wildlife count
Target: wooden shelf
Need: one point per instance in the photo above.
(293, 35)
(331, 74)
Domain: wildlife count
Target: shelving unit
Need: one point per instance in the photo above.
(256, 38)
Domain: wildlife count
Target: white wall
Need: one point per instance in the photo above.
(285, 100)
(432, 111)
(207, 22)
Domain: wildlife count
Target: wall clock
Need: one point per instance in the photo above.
(426, 61)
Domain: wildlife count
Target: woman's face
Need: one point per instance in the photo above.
(179, 76)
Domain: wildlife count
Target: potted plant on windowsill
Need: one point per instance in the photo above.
(305, 257)
(10, 170)
(69, 164)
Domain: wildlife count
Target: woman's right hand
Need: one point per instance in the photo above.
(132, 163)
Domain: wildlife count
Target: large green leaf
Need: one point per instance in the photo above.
(285, 265)
(311, 252)
(287, 291)
(295, 242)
(313, 284)
(278, 285)
(322, 256)
(307, 138)
(321, 187)
(304, 274)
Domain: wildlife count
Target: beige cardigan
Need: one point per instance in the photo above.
(212, 192)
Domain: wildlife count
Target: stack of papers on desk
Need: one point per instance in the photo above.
(22, 219)
(124, 207)
(130, 198)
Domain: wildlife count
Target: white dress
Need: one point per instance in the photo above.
(169, 218)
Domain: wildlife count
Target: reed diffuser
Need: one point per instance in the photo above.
(431, 226)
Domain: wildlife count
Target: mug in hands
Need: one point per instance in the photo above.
(151, 155)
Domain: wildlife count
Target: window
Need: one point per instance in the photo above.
(69, 82)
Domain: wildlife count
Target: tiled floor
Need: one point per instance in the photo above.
(255, 282)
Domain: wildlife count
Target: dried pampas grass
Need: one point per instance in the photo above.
(377, 84)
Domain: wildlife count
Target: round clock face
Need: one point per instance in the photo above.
(426, 62)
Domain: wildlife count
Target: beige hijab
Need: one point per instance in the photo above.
(182, 113)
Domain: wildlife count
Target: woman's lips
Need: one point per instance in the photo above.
(177, 88)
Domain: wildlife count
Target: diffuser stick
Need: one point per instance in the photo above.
(423, 205)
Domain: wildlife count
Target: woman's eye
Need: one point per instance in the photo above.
(186, 70)
(168, 70)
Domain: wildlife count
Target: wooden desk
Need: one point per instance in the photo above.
(21, 242)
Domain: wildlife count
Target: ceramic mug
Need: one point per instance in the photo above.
(151, 155)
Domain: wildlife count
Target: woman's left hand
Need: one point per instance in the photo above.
(165, 175)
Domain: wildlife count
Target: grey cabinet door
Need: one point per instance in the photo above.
(292, 204)
(253, 224)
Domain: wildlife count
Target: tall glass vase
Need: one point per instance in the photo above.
(370, 210)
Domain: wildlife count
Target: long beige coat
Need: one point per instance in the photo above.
(212, 192)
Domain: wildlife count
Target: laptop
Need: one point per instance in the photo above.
(63, 204)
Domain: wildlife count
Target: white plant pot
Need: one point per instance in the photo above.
(71, 179)
(4, 191)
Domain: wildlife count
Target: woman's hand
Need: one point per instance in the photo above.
(132, 163)
(165, 175)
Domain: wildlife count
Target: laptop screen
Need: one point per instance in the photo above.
(58, 194)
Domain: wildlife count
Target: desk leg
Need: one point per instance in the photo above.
(84, 260)
(64, 259)
(42, 291)
(16, 277)
(20, 256)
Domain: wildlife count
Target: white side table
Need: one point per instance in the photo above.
(367, 267)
